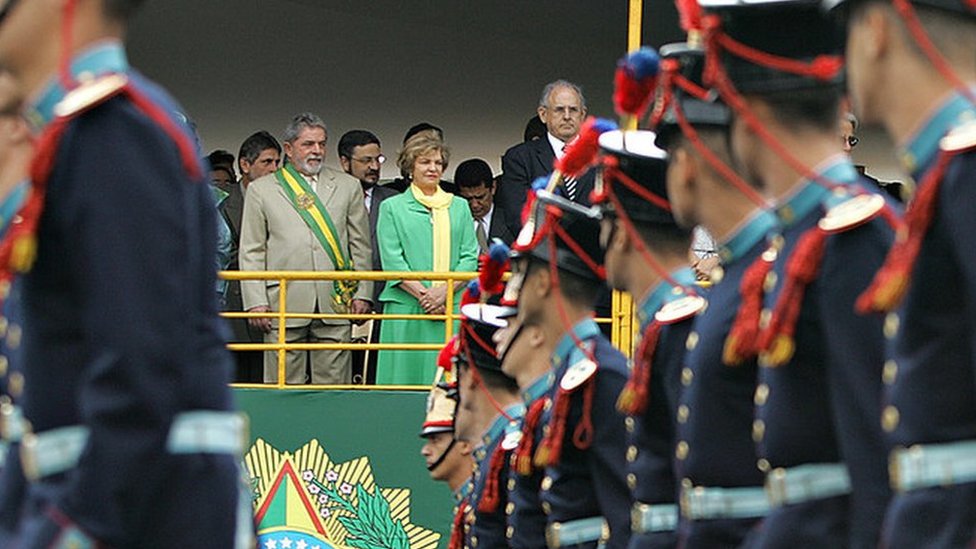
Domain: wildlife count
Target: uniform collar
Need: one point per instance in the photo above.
(12, 203)
(918, 153)
(502, 424)
(808, 194)
(753, 231)
(663, 293)
(102, 58)
(463, 492)
(538, 388)
(584, 329)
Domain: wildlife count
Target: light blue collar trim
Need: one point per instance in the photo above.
(502, 424)
(463, 492)
(584, 329)
(538, 388)
(810, 193)
(102, 58)
(664, 293)
(920, 150)
(11, 205)
(755, 230)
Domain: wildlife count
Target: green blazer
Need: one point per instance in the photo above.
(405, 233)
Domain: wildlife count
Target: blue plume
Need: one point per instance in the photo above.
(644, 63)
(602, 125)
(540, 183)
(474, 288)
(498, 252)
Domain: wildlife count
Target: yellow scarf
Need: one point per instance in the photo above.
(439, 205)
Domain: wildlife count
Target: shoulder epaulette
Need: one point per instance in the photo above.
(90, 94)
(852, 213)
(680, 309)
(960, 139)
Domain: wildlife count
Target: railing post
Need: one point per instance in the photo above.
(282, 315)
(449, 311)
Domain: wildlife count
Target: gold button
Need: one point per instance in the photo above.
(777, 242)
(13, 336)
(765, 316)
(682, 414)
(769, 283)
(891, 323)
(762, 394)
(546, 508)
(692, 341)
(474, 541)
(509, 508)
(686, 376)
(509, 532)
(631, 481)
(889, 419)
(631, 453)
(511, 484)
(681, 450)
(758, 430)
(15, 386)
(3, 325)
(890, 372)
(629, 424)
(547, 482)
(547, 405)
(4, 364)
(763, 465)
(717, 274)
(770, 255)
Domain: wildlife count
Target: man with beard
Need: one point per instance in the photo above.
(306, 217)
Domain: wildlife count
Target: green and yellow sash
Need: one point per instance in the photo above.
(307, 204)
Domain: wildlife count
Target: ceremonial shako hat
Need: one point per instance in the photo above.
(776, 45)
(966, 7)
(686, 62)
(480, 322)
(574, 231)
(634, 177)
(440, 412)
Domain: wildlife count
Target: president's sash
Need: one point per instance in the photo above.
(307, 204)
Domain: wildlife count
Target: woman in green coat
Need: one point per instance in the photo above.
(422, 229)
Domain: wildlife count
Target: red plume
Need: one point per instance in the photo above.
(445, 357)
(690, 14)
(582, 152)
(493, 267)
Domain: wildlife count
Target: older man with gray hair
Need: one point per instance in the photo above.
(306, 217)
(562, 109)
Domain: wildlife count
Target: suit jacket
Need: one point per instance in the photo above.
(274, 237)
(380, 193)
(524, 163)
(232, 210)
(504, 226)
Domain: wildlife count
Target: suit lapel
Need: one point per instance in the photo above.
(544, 155)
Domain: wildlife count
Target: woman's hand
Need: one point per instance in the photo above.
(434, 300)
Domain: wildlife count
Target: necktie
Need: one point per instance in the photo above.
(479, 231)
(569, 184)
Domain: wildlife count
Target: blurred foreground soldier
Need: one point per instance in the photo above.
(647, 255)
(826, 479)
(15, 156)
(583, 493)
(927, 286)
(448, 460)
(490, 416)
(131, 439)
(721, 493)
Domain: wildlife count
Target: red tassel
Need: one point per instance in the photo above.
(740, 344)
(445, 358)
(490, 498)
(493, 267)
(457, 528)
(689, 13)
(633, 399)
(522, 460)
(777, 341)
(582, 152)
(551, 449)
(891, 282)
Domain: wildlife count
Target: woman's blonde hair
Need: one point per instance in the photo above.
(419, 145)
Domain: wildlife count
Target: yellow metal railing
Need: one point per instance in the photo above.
(620, 320)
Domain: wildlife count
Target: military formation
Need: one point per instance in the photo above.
(819, 390)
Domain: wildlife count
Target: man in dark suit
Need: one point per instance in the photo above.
(259, 155)
(361, 156)
(476, 184)
(562, 109)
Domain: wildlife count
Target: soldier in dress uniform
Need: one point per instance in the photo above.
(15, 155)
(721, 490)
(647, 255)
(448, 460)
(131, 440)
(912, 68)
(490, 416)
(524, 352)
(583, 491)
(817, 428)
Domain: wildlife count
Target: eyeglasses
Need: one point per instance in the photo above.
(370, 159)
(850, 140)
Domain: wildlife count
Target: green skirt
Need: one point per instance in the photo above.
(408, 367)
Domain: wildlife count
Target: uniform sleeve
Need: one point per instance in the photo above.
(957, 205)
(855, 358)
(360, 242)
(253, 253)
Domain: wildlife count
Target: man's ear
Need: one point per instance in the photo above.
(541, 282)
(463, 447)
(542, 113)
(535, 336)
(345, 163)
